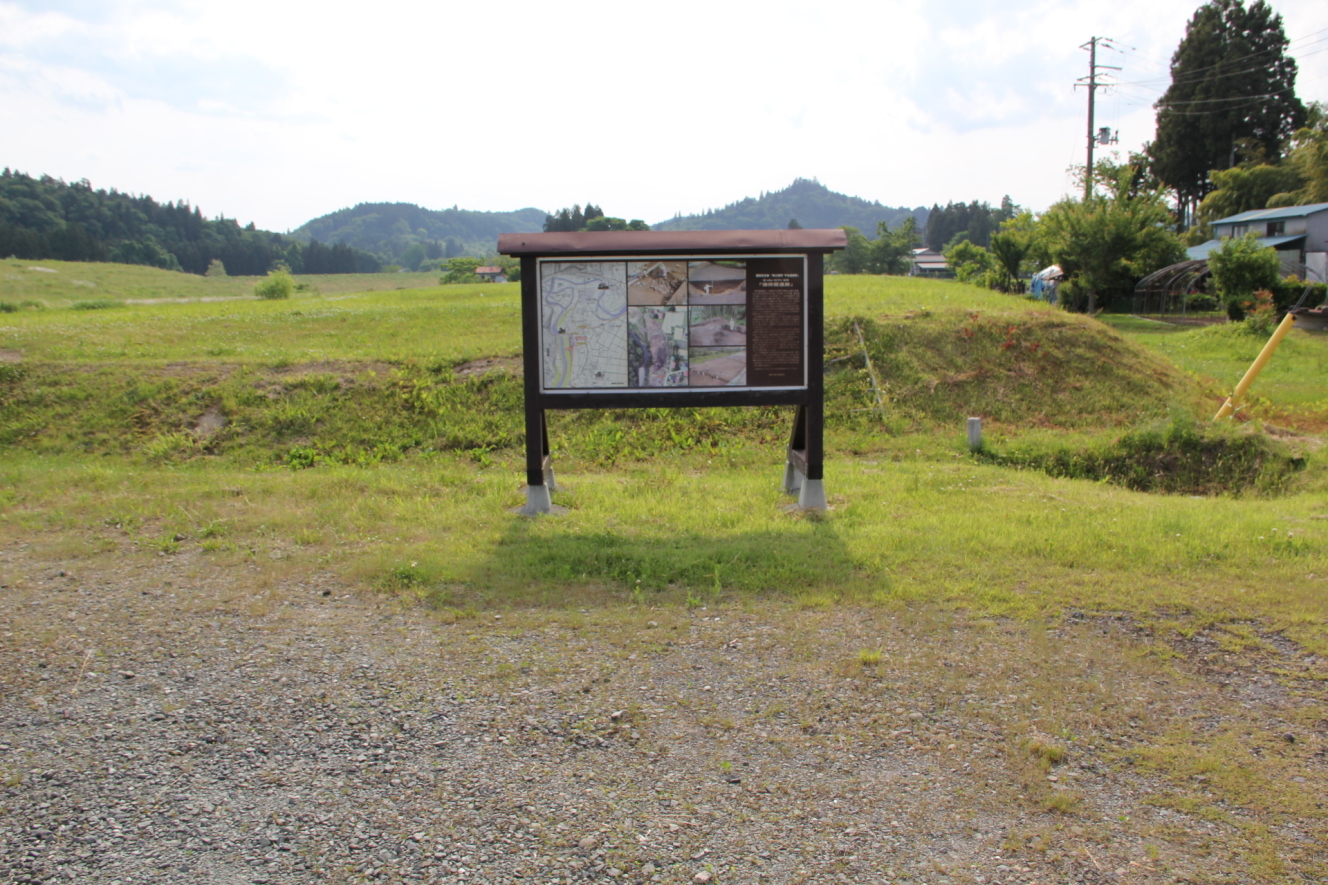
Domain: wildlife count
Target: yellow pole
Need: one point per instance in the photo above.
(1256, 367)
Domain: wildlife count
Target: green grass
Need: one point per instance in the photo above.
(350, 438)
(449, 324)
(1292, 380)
(63, 282)
(958, 533)
(896, 296)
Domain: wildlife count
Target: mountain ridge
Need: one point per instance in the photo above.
(806, 200)
(390, 229)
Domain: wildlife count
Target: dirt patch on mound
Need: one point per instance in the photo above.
(209, 423)
(10, 356)
(474, 368)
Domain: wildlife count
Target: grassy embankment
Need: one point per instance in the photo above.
(133, 426)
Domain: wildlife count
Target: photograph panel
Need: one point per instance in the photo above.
(657, 346)
(718, 367)
(717, 282)
(718, 325)
(657, 282)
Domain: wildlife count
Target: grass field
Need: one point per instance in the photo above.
(381, 380)
(64, 283)
(378, 435)
(1293, 379)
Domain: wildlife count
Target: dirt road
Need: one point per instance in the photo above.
(166, 720)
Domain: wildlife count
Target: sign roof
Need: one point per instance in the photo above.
(636, 242)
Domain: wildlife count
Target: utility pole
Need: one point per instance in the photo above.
(1092, 83)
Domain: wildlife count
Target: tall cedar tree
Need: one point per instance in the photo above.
(975, 222)
(1232, 88)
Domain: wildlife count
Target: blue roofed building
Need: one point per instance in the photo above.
(1298, 233)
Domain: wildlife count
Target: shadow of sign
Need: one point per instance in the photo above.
(533, 564)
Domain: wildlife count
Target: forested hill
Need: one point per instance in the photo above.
(49, 218)
(810, 203)
(390, 230)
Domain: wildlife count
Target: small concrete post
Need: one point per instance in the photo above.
(792, 479)
(975, 434)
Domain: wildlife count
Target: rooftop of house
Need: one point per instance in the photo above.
(1202, 250)
(1274, 214)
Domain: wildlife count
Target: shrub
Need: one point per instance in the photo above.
(215, 269)
(1179, 456)
(276, 285)
(1260, 314)
(96, 304)
(1240, 268)
(1287, 293)
(8, 307)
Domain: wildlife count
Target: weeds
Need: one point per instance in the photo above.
(1179, 456)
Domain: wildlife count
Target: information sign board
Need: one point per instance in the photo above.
(665, 325)
(642, 319)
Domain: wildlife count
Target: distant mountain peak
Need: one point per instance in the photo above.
(806, 200)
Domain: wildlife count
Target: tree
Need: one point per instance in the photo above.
(605, 222)
(592, 218)
(855, 257)
(413, 257)
(893, 250)
(1232, 85)
(1240, 268)
(1009, 248)
(462, 270)
(1243, 188)
(1309, 160)
(972, 221)
(216, 268)
(970, 262)
(1110, 241)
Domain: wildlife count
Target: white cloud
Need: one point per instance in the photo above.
(282, 112)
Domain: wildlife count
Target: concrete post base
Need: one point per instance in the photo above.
(538, 501)
(812, 495)
(549, 482)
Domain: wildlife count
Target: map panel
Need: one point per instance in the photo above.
(584, 321)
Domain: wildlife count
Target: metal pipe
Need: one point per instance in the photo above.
(1256, 367)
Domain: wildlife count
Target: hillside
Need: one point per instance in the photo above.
(390, 229)
(48, 218)
(813, 205)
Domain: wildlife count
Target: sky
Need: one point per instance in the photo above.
(280, 111)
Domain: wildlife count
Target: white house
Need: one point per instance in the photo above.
(927, 263)
(1298, 233)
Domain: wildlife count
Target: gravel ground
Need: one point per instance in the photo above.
(166, 720)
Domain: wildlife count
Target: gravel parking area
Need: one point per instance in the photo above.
(168, 720)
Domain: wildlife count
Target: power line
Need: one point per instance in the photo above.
(1236, 98)
(1191, 74)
